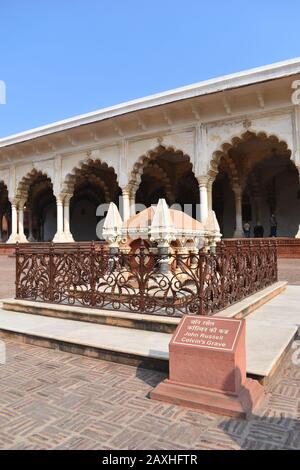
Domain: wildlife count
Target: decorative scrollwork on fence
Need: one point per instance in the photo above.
(89, 275)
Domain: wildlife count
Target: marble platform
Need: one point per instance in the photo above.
(269, 331)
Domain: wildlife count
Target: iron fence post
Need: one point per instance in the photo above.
(51, 272)
(17, 270)
(92, 278)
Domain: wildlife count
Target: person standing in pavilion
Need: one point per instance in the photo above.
(258, 230)
(273, 226)
(247, 229)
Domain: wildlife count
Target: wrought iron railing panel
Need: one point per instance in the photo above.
(88, 275)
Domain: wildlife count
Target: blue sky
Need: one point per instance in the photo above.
(60, 58)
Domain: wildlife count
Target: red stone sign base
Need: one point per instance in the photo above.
(237, 406)
(208, 368)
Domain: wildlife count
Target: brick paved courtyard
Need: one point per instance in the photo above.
(56, 400)
(7, 276)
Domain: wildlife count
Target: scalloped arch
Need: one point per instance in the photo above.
(155, 170)
(235, 140)
(3, 193)
(3, 184)
(70, 179)
(142, 162)
(25, 182)
(99, 182)
(230, 168)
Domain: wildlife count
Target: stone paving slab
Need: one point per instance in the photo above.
(245, 307)
(269, 330)
(55, 400)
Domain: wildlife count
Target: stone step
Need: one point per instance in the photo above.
(248, 305)
(113, 343)
(157, 323)
(269, 333)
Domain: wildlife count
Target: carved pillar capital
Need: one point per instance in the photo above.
(203, 181)
(238, 191)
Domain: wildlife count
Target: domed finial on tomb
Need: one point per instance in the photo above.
(112, 227)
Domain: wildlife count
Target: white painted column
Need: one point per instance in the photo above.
(238, 212)
(132, 201)
(209, 194)
(132, 205)
(126, 204)
(14, 224)
(203, 198)
(67, 231)
(22, 237)
(59, 236)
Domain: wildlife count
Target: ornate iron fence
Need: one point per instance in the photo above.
(196, 283)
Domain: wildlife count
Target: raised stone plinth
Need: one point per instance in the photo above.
(208, 368)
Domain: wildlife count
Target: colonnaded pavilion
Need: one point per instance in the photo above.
(169, 282)
(231, 144)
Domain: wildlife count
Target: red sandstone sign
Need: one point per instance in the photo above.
(208, 333)
(207, 367)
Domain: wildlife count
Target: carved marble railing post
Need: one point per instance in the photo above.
(163, 253)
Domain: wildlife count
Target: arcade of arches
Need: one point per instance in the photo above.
(249, 179)
(256, 178)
